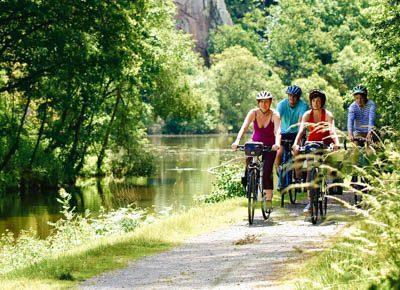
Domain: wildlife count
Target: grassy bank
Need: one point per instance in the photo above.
(67, 270)
(367, 255)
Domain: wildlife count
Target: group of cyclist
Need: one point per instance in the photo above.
(292, 118)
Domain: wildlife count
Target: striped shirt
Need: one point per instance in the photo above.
(361, 120)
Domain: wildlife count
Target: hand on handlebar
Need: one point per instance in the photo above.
(295, 148)
(234, 145)
(275, 147)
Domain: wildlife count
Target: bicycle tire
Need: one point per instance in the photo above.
(265, 211)
(293, 195)
(323, 206)
(251, 196)
(281, 181)
(323, 199)
(314, 205)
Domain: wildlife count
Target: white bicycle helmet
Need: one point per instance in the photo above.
(264, 95)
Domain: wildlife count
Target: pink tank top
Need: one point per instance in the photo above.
(265, 135)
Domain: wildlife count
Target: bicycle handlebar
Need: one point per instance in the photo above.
(265, 148)
(302, 149)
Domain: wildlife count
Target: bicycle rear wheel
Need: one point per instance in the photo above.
(251, 196)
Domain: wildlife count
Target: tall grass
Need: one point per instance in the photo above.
(70, 231)
(368, 255)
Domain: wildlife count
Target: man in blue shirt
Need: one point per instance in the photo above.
(361, 115)
(291, 111)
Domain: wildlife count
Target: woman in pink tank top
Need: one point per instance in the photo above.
(266, 129)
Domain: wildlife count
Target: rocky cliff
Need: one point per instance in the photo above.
(198, 17)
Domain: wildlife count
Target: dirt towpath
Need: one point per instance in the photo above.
(237, 257)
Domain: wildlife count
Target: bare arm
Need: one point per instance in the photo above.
(302, 128)
(245, 126)
(277, 131)
(332, 129)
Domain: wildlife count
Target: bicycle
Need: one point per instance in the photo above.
(286, 174)
(254, 170)
(317, 175)
(359, 183)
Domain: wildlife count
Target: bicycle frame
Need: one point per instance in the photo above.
(317, 177)
(256, 165)
(255, 172)
(359, 182)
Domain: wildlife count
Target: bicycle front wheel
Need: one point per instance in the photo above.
(323, 200)
(314, 205)
(266, 212)
(251, 195)
(293, 195)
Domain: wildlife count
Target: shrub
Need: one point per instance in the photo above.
(70, 231)
(227, 185)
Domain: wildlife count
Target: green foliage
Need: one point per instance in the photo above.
(368, 256)
(227, 36)
(69, 232)
(384, 77)
(79, 79)
(305, 37)
(227, 185)
(238, 76)
(239, 8)
(354, 62)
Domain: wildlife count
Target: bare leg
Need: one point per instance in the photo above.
(297, 164)
(268, 197)
(278, 157)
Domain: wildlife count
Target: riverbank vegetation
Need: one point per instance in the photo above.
(367, 255)
(82, 247)
(82, 83)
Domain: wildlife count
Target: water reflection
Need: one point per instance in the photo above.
(182, 164)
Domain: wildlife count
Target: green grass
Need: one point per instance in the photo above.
(107, 254)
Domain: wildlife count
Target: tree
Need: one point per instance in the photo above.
(385, 76)
(238, 77)
(228, 36)
(70, 72)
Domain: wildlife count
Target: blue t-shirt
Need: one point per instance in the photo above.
(290, 116)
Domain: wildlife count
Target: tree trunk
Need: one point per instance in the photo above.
(14, 146)
(40, 134)
(101, 155)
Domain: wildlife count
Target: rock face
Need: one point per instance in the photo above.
(197, 17)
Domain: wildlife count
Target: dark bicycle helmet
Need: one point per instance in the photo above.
(294, 90)
(360, 89)
(315, 93)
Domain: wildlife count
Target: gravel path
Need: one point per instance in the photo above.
(238, 257)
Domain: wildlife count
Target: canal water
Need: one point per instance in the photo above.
(182, 175)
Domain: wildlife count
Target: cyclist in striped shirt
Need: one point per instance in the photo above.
(361, 115)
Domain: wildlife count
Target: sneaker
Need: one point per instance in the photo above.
(307, 209)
